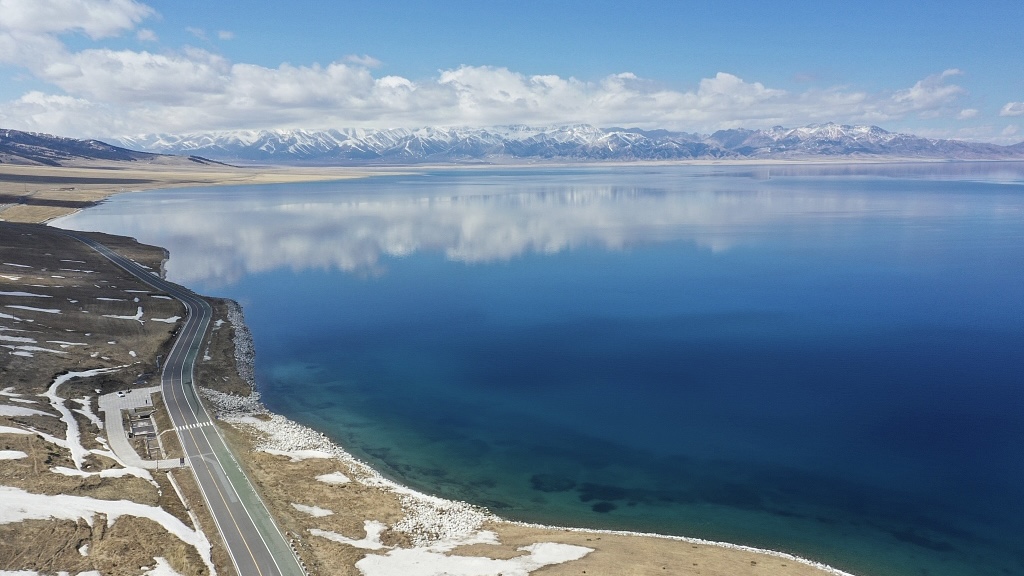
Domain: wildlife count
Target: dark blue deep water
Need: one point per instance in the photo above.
(822, 360)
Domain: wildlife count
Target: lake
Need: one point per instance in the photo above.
(826, 360)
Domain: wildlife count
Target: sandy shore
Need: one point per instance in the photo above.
(37, 194)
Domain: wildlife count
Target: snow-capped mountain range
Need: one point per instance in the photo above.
(577, 142)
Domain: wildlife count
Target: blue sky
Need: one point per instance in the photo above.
(113, 67)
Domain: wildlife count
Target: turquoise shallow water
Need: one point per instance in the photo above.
(826, 361)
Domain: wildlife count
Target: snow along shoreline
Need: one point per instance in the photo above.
(428, 519)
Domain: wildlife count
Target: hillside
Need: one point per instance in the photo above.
(33, 149)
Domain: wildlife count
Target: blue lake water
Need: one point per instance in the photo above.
(822, 360)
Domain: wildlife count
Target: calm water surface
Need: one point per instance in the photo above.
(828, 361)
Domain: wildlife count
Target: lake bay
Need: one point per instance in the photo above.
(826, 360)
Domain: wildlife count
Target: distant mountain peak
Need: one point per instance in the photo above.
(558, 143)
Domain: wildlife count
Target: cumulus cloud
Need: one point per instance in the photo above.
(1012, 109)
(931, 95)
(194, 89)
(197, 90)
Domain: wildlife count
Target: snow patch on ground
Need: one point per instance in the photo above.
(371, 541)
(17, 505)
(426, 562)
(65, 343)
(433, 560)
(12, 430)
(170, 320)
(25, 294)
(298, 455)
(86, 410)
(73, 437)
(110, 473)
(314, 511)
(334, 478)
(21, 339)
(30, 349)
(21, 411)
(32, 309)
(12, 455)
(137, 317)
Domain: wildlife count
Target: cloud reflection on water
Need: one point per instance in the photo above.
(218, 237)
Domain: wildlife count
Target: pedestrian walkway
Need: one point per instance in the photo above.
(111, 405)
(193, 426)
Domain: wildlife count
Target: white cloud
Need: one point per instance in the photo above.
(931, 95)
(127, 77)
(104, 92)
(364, 60)
(95, 18)
(967, 113)
(1012, 109)
(198, 90)
(225, 35)
(146, 35)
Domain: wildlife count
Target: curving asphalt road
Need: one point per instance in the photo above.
(253, 540)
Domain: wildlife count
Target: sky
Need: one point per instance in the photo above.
(104, 68)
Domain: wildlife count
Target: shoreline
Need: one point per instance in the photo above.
(430, 518)
(431, 521)
(41, 194)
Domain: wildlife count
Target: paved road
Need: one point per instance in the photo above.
(254, 542)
